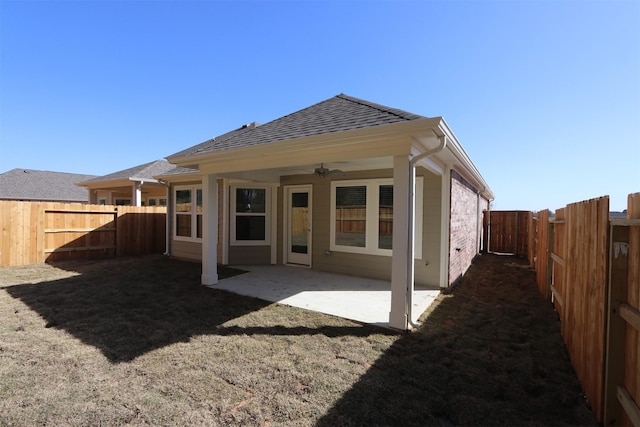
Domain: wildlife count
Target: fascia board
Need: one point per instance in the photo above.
(333, 141)
(144, 180)
(106, 184)
(180, 178)
(469, 170)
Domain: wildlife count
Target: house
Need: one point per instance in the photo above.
(42, 186)
(345, 186)
(135, 186)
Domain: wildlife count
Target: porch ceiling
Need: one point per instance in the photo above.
(356, 298)
(274, 174)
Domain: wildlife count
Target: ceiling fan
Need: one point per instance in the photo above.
(323, 172)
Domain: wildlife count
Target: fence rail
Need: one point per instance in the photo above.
(35, 232)
(588, 265)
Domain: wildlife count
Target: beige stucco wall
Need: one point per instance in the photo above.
(427, 268)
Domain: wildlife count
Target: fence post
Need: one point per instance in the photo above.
(550, 242)
(616, 325)
(485, 231)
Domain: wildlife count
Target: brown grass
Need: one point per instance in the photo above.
(137, 341)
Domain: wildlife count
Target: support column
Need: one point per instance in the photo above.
(137, 194)
(399, 259)
(209, 230)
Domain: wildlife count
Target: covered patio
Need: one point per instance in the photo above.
(355, 298)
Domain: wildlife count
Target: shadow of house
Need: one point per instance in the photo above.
(125, 231)
(490, 353)
(127, 307)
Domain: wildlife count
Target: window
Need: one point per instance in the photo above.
(188, 213)
(250, 216)
(123, 202)
(159, 201)
(362, 216)
(102, 201)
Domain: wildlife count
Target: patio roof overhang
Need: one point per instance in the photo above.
(122, 183)
(359, 149)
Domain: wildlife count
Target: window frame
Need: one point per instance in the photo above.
(193, 213)
(373, 217)
(233, 241)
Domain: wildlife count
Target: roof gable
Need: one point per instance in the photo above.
(338, 114)
(146, 171)
(29, 184)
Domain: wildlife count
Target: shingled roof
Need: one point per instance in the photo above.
(37, 185)
(338, 114)
(146, 171)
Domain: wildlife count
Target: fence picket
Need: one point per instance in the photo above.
(34, 232)
(591, 265)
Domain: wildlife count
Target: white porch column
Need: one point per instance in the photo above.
(209, 230)
(137, 194)
(399, 259)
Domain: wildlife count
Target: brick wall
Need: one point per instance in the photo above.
(466, 226)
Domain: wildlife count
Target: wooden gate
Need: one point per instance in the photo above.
(507, 232)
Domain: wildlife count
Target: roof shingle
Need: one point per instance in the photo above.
(338, 114)
(29, 184)
(145, 171)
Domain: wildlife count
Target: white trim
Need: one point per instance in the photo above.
(233, 214)
(225, 221)
(372, 217)
(193, 213)
(274, 224)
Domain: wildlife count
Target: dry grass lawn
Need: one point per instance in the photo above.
(136, 341)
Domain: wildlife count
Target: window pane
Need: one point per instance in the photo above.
(251, 200)
(351, 216)
(163, 202)
(300, 200)
(152, 202)
(250, 227)
(199, 200)
(183, 201)
(199, 226)
(183, 225)
(385, 217)
(299, 223)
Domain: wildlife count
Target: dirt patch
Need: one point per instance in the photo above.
(137, 341)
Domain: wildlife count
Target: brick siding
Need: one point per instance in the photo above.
(466, 225)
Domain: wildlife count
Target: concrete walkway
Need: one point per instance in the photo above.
(356, 298)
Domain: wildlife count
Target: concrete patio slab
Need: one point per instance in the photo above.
(355, 298)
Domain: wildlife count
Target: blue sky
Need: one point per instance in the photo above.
(544, 95)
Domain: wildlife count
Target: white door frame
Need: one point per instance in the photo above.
(287, 256)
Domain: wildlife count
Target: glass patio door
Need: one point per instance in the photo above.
(299, 225)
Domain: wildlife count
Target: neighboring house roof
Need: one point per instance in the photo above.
(29, 184)
(618, 215)
(337, 114)
(145, 172)
(177, 170)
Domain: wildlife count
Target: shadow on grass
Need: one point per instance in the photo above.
(488, 353)
(127, 307)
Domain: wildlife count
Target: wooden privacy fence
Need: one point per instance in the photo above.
(35, 232)
(589, 266)
(506, 232)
